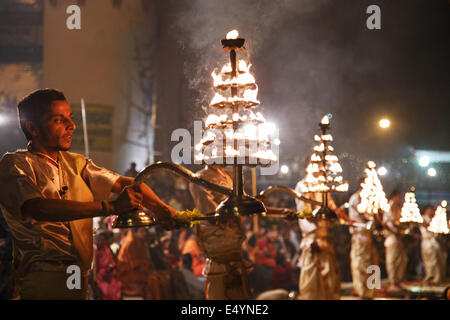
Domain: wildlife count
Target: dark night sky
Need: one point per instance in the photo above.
(315, 57)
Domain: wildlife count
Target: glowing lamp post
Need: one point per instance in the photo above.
(324, 171)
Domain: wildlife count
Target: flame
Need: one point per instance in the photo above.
(372, 195)
(439, 223)
(242, 66)
(218, 98)
(342, 188)
(331, 158)
(233, 34)
(410, 210)
(325, 120)
(244, 79)
(250, 95)
(226, 68)
(212, 119)
(319, 148)
(260, 117)
(217, 79)
(371, 164)
(336, 167)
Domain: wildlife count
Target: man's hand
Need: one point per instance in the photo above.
(129, 199)
(290, 214)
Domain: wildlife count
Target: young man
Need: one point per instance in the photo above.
(319, 276)
(226, 270)
(396, 257)
(434, 254)
(49, 197)
(363, 252)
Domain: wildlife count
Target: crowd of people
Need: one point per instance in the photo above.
(151, 263)
(51, 197)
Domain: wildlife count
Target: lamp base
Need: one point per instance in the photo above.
(324, 213)
(135, 218)
(240, 206)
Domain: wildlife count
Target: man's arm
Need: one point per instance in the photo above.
(66, 210)
(61, 210)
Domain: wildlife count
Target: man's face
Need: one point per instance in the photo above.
(57, 127)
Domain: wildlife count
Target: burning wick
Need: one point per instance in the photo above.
(325, 120)
(233, 34)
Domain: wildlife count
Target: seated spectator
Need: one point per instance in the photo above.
(191, 247)
(135, 268)
(105, 268)
(196, 288)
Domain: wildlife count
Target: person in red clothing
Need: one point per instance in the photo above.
(266, 255)
(282, 274)
(191, 247)
(108, 284)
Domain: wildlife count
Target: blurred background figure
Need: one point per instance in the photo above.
(106, 279)
(196, 288)
(190, 246)
(434, 251)
(396, 256)
(6, 278)
(363, 252)
(226, 270)
(319, 275)
(135, 268)
(131, 171)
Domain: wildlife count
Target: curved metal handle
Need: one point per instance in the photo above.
(183, 172)
(297, 195)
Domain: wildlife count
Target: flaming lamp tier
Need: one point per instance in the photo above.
(324, 173)
(439, 223)
(236, 134)
(410, 210)
(372, 196)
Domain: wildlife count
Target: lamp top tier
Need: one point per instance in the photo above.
(232, 42)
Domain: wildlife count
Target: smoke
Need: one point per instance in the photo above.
(203, 24)
(314, 57)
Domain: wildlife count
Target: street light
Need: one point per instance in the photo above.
(424, 161)
(431, 172)
(384, 123)
(382, 171)
(284, 169)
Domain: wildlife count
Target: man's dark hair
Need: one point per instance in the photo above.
(35, 105)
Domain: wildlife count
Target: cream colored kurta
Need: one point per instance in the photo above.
(225, 270)
(396, 257)
(42, 250)
(434, 256)
(319, 276)
(363, 252)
